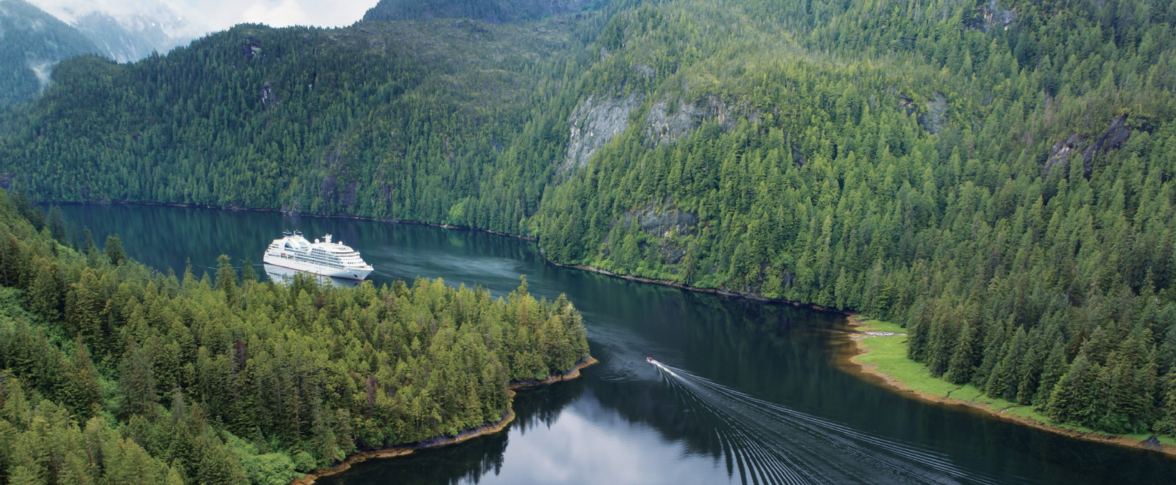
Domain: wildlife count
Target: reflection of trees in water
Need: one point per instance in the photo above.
(166, 237)
(543, 405)
(471, 460)
(640, 403)
(767, 349)
(467, 462)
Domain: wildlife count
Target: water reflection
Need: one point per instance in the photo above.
(285, 276)
(764, 394)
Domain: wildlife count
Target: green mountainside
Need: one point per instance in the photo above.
(114, 373)
(31, 42)
(998, 176)
(402, 120)
(494, 11)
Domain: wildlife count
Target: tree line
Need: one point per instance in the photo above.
(113, 373)
(995, 176)
(1005, 193)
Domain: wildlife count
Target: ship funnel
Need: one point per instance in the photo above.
(327, 238)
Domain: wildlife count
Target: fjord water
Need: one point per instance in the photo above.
(751, 392)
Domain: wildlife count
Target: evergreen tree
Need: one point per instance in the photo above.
(114, 250)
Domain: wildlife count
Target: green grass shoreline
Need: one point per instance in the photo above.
(885, 357)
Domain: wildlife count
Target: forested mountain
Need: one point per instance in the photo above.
(996, 174)
(113, 373)
(31, 43)
(494, 11)
(404, 120)
(128, 39)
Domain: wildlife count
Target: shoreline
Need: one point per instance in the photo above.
(299, 214)
(849, 361)
(443, 441)
(681, 286)
(592, 269)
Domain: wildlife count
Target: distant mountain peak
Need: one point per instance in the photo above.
(127, 30)
(33, 43)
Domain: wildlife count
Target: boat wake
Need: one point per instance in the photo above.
(767, 443)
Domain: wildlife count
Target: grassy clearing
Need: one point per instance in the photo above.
(889, 356)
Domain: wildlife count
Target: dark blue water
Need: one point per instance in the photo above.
(752, 392)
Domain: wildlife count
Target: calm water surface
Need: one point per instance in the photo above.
(751, 393)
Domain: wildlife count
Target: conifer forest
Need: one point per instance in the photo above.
(998, 177)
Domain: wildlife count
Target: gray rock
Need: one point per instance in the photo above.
(593, 124)
(989, 16)
(1115, 136)
(1061, 152)
(994, 16)
(661, 221)
(933, 119)
(663, 127)
(1151, 443)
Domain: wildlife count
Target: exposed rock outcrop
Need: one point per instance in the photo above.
(991, 16)
(1112, 139)
(932, 120)
(1061, 152)
(267, 95)
(1115, 136)
(594, 123)
(664, 127)
(662, 220)
(250, 47)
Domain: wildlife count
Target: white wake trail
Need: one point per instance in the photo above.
(770, 443)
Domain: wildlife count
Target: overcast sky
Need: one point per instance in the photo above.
(202, 16)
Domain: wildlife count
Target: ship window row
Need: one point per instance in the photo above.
(319, 261)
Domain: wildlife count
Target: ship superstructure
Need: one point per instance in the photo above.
(322, 257)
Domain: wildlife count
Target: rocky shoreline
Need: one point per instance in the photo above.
(852, 364)
(485, 429)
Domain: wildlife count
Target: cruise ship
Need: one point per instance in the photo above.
(324, 258)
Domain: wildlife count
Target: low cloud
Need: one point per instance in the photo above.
(198, 17)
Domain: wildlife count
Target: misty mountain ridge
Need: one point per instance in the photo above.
(128, 39)
(31, 43)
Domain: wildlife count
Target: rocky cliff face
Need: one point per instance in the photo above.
(661, 220)
(666, 222)
(594, 123)
(933, 119)
(1113, 138)
(991, 16)
(664, 126)
(1061, 152)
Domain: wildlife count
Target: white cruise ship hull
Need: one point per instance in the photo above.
(342, 273)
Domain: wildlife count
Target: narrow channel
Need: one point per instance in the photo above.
(755, 395)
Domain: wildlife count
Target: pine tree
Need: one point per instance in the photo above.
(1055, 367)
(46, 295)
(964, 359)
(137, 384)
(114, 250)
(84, 392)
